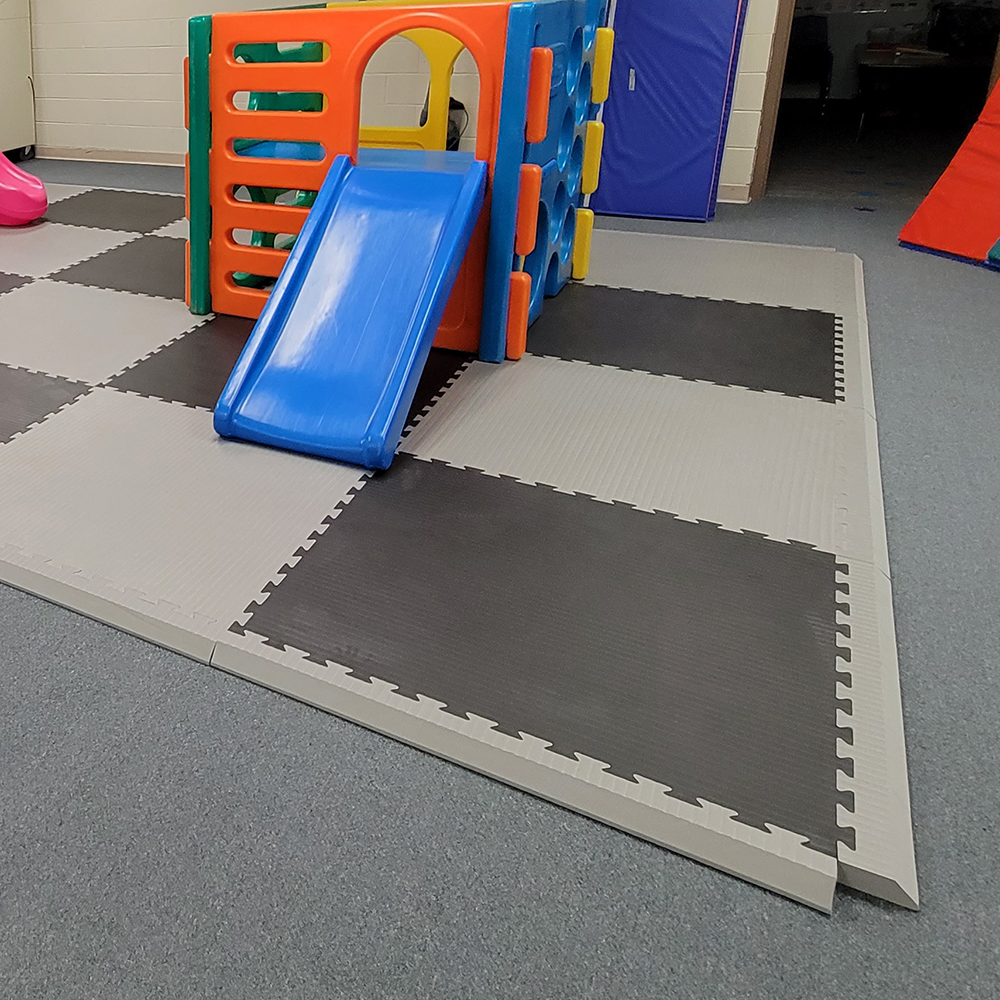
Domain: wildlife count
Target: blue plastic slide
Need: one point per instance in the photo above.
(333, 363)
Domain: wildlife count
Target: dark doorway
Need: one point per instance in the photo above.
(875, 102)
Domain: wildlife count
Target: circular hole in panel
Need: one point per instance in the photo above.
(575, 61)
(575, 167)
(566, 134)
(568, 232)
(559, 205)
(552, 276)
(583, 95)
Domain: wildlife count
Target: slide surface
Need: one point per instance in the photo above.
(334, 360)
(961, 215)
(22, 196)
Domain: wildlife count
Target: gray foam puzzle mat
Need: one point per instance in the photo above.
(793, 351)
(726, 626)
(192, 369)
(151, 265)
(641, 572)
(29, 397)
(130, 211)
(8, 282)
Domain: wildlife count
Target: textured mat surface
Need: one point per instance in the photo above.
(151, 265)
(129, 211)
(731, 343)
(709, 631)
(651, 586)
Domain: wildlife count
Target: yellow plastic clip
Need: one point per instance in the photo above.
(603, 48)
(592, 157)
(581, 242)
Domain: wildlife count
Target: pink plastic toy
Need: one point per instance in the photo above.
(22, 197)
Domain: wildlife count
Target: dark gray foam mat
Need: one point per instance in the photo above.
(441, 368)
(699, 658)
(27, 397)
(150, 265)
(793, 351)
(125, 211)
(8, 282)
(192, 369)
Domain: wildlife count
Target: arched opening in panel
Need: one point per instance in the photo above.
(420, 90)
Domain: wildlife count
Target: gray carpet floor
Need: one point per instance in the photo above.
(170, 831)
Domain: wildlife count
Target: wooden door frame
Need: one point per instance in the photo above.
(995, 75)
(772, 98)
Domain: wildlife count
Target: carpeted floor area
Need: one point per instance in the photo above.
(197, 835)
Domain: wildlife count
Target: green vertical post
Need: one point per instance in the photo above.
(199, 144)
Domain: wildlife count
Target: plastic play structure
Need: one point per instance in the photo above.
(378, 252)
(22, 196)
(961, 215)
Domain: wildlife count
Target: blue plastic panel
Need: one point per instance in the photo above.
(666, 116)
(569, 28)
(333, 363)
(506, 180)
(550, 263)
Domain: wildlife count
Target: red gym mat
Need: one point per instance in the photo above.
(961, 215)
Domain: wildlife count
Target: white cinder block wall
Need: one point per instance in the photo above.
(109, 82)
(748, 100)
(108, 75)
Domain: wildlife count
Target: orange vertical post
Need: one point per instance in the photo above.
(539, 89)
(517, 314)
(528, 195)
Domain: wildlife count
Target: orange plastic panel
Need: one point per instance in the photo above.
(539, 88)
(528, 196)
(459, 329)
(351, 36)
(517, 314)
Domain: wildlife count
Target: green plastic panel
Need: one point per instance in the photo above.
(199, 144)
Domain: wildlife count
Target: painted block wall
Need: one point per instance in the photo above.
(748, 101)
(108, 75)
(109, 84)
